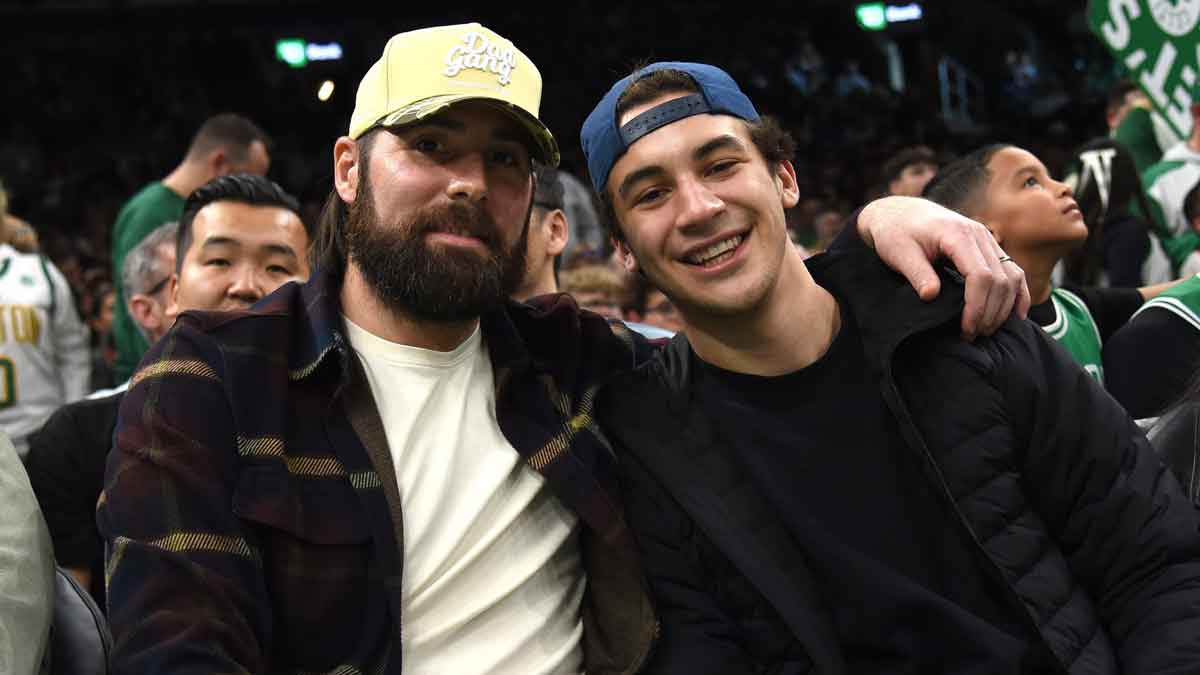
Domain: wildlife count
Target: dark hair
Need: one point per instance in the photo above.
(1191, 204)
(895, 165)
(547, 189)
(959, 185)
(240, 187)
(1119, 179)
(773, 142)
(230, 131)
(329, 252)
(1117, 94)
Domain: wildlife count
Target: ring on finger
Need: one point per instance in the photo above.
(1005, 258)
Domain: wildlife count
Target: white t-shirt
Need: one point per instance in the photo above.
(492, 574)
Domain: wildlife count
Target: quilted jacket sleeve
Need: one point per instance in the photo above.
(1129, 533)
(697, 636)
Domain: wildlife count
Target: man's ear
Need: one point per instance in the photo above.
(558, 232)
(625, 254)
(785, 181)
(218, 163)
(345, 168)
(173, 296)
(142, 311)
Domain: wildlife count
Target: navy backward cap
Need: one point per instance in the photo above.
(604, 141)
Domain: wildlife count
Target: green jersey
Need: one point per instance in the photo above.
(155, 205)
(1182, 300)
(1075, 329)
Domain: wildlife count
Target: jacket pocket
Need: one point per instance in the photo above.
(316, 553)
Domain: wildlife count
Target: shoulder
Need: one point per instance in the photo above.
(1169, 165)
(554, 329)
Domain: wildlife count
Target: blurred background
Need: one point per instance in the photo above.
(100, 97)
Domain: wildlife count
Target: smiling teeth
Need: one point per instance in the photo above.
(715, 250)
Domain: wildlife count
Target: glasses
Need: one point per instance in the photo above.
(154, 290)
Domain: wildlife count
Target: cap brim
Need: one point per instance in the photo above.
(543, 144)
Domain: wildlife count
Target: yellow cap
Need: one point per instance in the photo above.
(422, 72)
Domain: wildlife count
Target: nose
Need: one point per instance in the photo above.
(246, 285)
(1065, 190)
(468, 178)
(698, 204)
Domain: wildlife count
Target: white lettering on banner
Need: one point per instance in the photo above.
(1177, 106)
(1155, 79)
(1116, 30)
(1135, 59)
(478, 53)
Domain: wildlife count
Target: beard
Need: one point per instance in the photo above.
(434, 283)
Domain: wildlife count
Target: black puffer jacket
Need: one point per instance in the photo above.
(1088, 532)
(1176, 436)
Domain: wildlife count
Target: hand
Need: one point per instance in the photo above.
(908, 233)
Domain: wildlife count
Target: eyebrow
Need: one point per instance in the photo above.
(281, 249)
(722, 142)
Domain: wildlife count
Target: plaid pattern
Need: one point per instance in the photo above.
(250, 509)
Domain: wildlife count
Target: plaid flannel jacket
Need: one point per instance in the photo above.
(250, 510)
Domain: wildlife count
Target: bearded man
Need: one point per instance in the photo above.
(393, 444)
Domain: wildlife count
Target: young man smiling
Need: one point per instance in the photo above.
(391, 468)
(822, 477)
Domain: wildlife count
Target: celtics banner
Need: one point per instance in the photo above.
(1157, 40)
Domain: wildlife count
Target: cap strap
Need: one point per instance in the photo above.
(662, 115)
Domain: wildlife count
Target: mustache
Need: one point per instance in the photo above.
(467, 219)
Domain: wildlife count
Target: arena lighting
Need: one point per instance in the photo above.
(331, 51)
(291, 51)
(876, 15)
(872, 16)
(900, 13)
(297, 53)
(325, 91)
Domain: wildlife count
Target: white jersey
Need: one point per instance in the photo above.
(44, 355)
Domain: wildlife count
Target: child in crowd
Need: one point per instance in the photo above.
(1037, 222)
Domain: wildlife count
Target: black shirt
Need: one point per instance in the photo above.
(66, 469)
(1110, 307)
(1149, 363)
(907, 589)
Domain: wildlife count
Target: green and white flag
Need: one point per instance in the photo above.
(1158, 42)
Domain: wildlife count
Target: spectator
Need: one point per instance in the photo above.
(1119, 250)
(647, 305)
(27, 584)
(249, 225)
(1149, 362)
(46, 361)
(224, 144)
(997, 459)
(1037, 221)
(1167, 184)
(548, 232)
(908, 171)
(596, 288)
